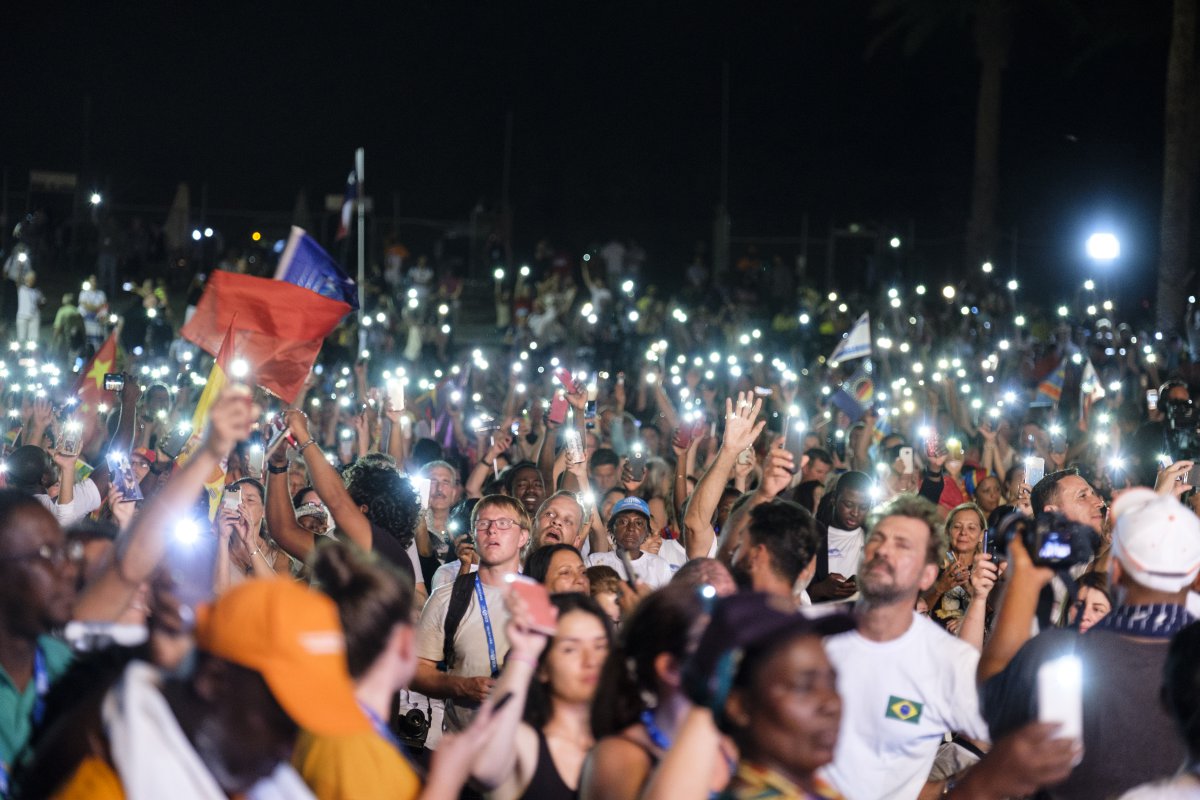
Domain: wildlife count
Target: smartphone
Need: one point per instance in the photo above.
(558, 409)
(422, 485)
(175, 441)
(1035, 469)
(637, 465)
(593, 391)
(990, 546)
(114, 382)
(542, 617)
(122, 476)
(906, 456)
(256, 456)
(190, 560)
(573, 444)
(763, 391)
(1058, 442)
(933, 446)
(793, 442)
(630, 575)
(232, 499)
(1152, 399)
(620, 378)
(1060, 695)
(565, 378)
(279, 433)
(70, 440)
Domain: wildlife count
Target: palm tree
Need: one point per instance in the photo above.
(1179, 166)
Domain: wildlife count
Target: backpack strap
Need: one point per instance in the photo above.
(460, 601)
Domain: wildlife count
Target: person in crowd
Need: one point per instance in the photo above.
(544, 756)
(895, 719)
(629, 526)
(29, 309)
(462, 626)
(640, 704)
(841, 550)
(244, 549)
(1069, 493)
(608, 590)
(1181, 697)
(559, 567)
(818, 463)
(759, 675)
(1093, 602)
(374, 605)
(949, 596)
(34, 471)
(778, 556)
(38, 570)
(1126, 733)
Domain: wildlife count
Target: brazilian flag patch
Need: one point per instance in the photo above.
(903, 710)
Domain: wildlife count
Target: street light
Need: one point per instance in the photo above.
(895, 242)
(95, 198)
(1103, 246)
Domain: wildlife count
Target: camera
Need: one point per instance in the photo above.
(412, 728)
(1051, 539)
(1182, 429)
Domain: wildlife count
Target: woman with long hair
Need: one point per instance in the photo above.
(640, 703)
(543, 757)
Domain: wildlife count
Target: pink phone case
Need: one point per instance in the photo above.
(558, 409)
(537, 599)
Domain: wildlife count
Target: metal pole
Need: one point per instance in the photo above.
(359, 158)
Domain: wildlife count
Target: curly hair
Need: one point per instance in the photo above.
(392, 502)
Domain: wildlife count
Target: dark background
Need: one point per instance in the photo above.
(616, 108)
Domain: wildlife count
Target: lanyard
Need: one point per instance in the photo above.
(41, 685)
(487, 626)
(382, 729)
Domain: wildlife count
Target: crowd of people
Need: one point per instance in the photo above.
(639, 543)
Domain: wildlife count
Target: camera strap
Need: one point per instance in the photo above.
(381, 728)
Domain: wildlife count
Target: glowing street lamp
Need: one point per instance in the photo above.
(1103, 246)
(95, 199)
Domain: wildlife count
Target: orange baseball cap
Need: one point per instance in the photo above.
(291, 636)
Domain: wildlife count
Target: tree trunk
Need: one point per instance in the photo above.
(993, 39)
(1179, 166)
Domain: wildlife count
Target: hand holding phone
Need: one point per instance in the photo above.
(1060, 696)
(1035, 469)
(543, 616)
(906, 457)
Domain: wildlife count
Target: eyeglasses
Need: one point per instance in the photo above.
(56, 556)
(502, 524)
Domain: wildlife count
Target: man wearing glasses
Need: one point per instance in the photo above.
(37, 590)
(461, 640)
(629, 526)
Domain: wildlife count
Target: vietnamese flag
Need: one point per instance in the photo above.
(279, 330)
(90, 387)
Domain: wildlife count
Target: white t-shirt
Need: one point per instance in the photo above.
(87, 499)
(471, 656)
(1182, 787)
(899, 699)
(845, 551)
(27, 301)
(447, 572)
(650, 569)
(673, 553)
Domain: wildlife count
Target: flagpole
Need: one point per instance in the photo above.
(359, 159)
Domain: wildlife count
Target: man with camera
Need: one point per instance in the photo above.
(1127, 737)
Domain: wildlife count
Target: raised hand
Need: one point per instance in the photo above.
(741, 427)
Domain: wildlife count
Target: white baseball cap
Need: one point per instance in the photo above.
(1157, 540)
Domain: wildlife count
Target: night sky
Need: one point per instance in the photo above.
(617, 116)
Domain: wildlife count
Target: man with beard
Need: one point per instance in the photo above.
(896, 715)
(524, 482)
(777, 550)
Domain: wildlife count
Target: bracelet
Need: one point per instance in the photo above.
(274, 470)
(300, 449)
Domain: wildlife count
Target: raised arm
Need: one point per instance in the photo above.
(328, 483)
(138, 554)
(742, 428)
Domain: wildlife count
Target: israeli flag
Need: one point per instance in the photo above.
(856, 343)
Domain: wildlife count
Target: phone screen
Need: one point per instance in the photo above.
(1035, 470)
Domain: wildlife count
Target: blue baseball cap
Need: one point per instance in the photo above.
(631, 504)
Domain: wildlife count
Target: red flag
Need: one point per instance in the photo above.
(90, 387)
(279, 327)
